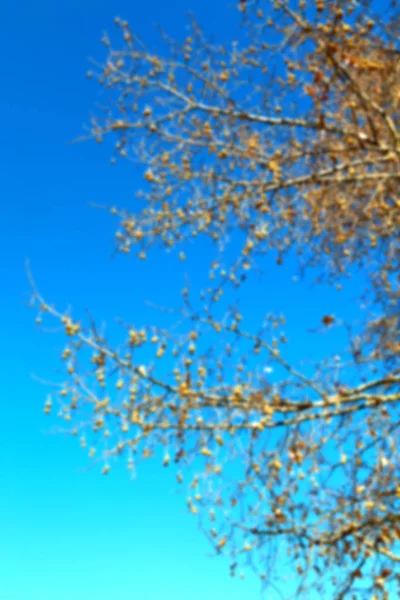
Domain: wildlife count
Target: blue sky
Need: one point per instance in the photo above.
(68, 533)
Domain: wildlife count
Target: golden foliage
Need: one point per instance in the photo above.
(304, 159)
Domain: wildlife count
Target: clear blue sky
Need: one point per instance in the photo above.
(66, 534)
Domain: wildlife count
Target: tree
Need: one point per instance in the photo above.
(284, 143)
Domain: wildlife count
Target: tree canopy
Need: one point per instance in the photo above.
(283, 143)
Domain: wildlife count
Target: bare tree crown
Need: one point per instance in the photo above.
(288, 139)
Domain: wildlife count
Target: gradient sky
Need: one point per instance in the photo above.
(68, 534)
